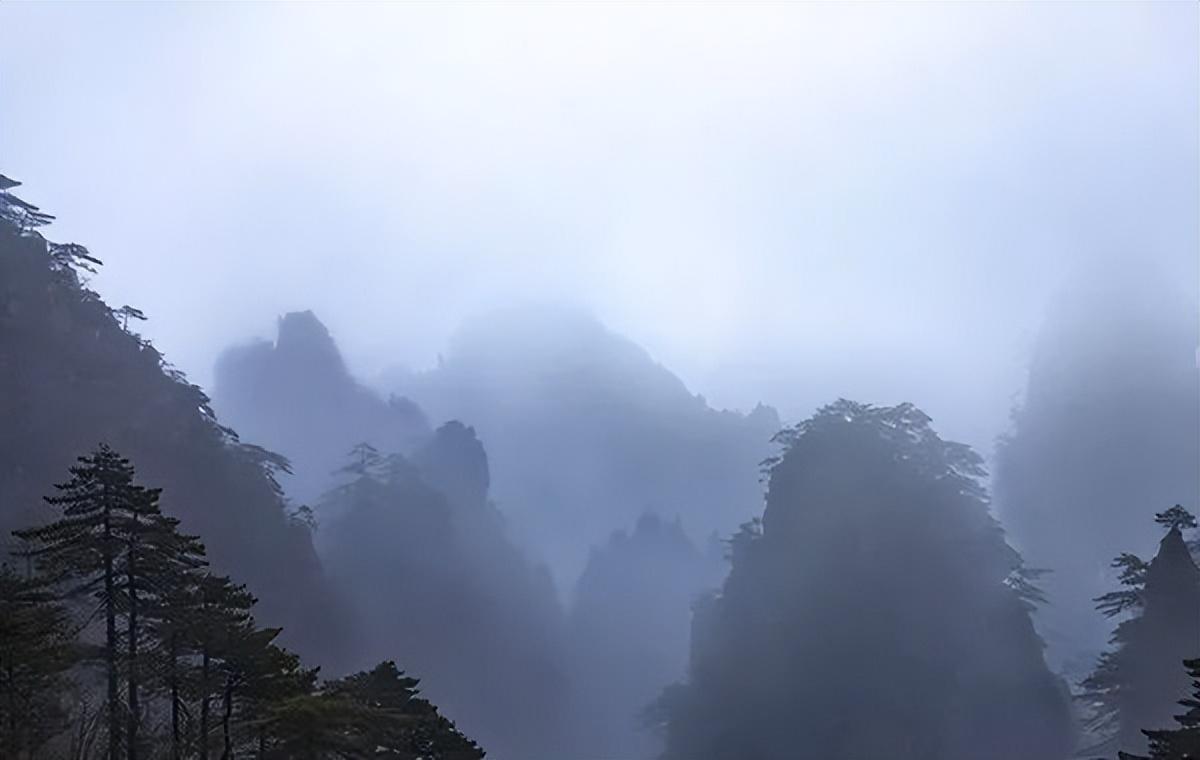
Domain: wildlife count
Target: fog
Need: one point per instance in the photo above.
(738, 190)
(553, 311)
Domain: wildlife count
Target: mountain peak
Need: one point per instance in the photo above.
(302, 334)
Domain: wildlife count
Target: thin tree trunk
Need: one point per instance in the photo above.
(12, 706)
(110, 643)
(134, 713)
(227, 713)
(176, 753)
(204, 704)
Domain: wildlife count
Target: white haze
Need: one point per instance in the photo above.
(783, 203)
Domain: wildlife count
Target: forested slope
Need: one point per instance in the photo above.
(74, 373)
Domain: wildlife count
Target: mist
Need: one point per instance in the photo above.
(562, 354)
(712, 182)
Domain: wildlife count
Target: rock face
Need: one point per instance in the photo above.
(432, 579)
(295, 396)
(587, 432)
(630, 627)
(870, 614)
(454, 462)
(73, 374)
(1106, 436)
(1139, 684)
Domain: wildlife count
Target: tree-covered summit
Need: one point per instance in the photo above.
(875, 611)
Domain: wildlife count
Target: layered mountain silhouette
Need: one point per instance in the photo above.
(73, 374)
(411, 538)
(423, 558)
(295, 396)
(630, 626)
(587, 432)
(1106, 437)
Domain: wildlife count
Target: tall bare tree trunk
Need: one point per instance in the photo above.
(110, 646)
(131, 730)
(204, 660)
(226, 715)
(176, 749)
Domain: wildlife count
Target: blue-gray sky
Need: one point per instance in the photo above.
(780, 202)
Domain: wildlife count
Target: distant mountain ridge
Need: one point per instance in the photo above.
(410, 538)
(587, 432)
(295, 395)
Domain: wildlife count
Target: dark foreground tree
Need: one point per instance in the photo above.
(1137, 684)
(114, 549)
(371, 714)
(876, 611)
(174, 627)
(36, 651)
(156, 559)
(221, 672)
(1182, 743)
(82, 550)
(409, 727)
(316, 726)
(221, 614)
(198, 676)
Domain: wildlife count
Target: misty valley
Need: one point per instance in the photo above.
(599, 381)
(546, 547)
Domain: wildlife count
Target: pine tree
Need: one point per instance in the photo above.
(82, 549)
(1176, 518)
(317, 726)
(1136, 684)
(1182, 743)
(215, 655)
(19, 214)
(255, 672)
(176, 618)
(114, 545)
(407, 727)
(36, 651)
(156, 557)
(365, 459)
(177, 638)
(223, 611)
(274, 675)
(370, 714)
(172, 624)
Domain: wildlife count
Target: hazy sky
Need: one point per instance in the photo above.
(781, 202)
